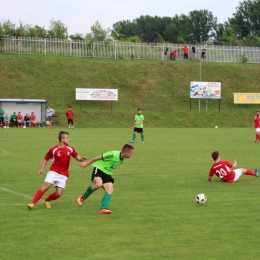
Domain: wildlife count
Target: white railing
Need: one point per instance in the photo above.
(124, 50)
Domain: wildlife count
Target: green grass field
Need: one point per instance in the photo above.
(155, 215)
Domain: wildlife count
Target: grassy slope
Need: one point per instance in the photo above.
(160, 88)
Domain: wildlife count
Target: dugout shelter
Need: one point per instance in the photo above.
(25, 106)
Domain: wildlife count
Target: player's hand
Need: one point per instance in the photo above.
(83, 164)
(83, 158)
(40, 172)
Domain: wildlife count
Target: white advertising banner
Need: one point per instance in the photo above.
(96, 94)
(205, 90)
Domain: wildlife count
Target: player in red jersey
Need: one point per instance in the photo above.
(58, 174)
(223, 171)
(33, 119)
(19, 119)
(256, 125)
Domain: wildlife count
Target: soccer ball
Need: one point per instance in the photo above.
(24, 126)
(201, 198)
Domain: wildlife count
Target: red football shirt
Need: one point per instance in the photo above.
(223, 171)
(32, 117)
(60, 158)
(257, 122)
(69, 115)
(19, 117)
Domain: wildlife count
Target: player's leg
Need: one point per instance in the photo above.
(109, 189)
(68, 123)
(134, 136)
(59, 181)
(72, 123)
(249, 172)
(257, 135)
(39, 193)
(97, 183)
(142, 135)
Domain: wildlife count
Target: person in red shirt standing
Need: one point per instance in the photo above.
(58, 174)
(69, 115)
(185, 52)
(33, 119)
(256, 125)
(223, 171)
(19, 120)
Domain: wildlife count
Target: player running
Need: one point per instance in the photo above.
(104, 165)
(58, 174)
(256, 125)
(223, 171)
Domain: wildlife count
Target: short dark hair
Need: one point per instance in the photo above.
(61, 134)
(215, 155)
(127, 147)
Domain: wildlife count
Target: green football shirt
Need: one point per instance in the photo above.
(138, 119)
(2, 113)
(109, 163)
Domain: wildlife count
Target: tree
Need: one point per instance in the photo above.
(77, 36)
(37, 31)
(229, 38)
(7, 28)
(246, 19)
(58, 29)
(98, 33)
(202, 26)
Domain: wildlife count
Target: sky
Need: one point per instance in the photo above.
(80, 15)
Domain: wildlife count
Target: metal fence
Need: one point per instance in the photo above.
(124, 50)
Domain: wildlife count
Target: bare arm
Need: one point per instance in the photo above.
(139, 123)
(81, 159)
(44, 162)
(234, 164)
(86, 164)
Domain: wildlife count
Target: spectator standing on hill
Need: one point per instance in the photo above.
(13, 119)
(49, 113)
(58, 174)
(2, 116)
(19, 120)
(256, 125)
(223, 171)
(138, 126)
(185, 51)
(69, 115)
(193, 49)
(203, 54)
(173, 55)
(26, 120)
(104, 166)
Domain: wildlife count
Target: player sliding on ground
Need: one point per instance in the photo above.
(223, 171)
(104, 166)
(58, 174)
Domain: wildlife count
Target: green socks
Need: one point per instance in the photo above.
(105, 201)
(88, 192)
(142, 137)
(133, 137)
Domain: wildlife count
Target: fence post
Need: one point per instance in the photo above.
(162, 51)
(44, 42)
(115, 49)
(70, 41)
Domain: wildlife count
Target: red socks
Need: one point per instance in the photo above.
(52, 196)
(248, 172)
(38, 195)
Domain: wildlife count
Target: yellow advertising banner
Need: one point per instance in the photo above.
(246, 98)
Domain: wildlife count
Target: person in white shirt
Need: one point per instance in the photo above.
(49, 113)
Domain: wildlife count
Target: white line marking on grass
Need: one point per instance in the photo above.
(7, 205)
(3, 152)
(16, 193)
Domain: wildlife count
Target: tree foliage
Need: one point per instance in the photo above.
(246, 19)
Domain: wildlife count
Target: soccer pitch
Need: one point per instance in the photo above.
(155, 215)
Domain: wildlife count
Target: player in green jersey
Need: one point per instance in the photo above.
(104, 165)
(138, 126)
